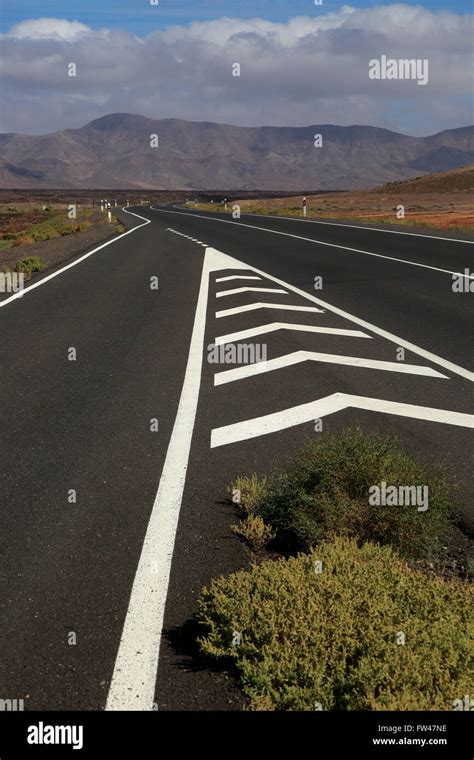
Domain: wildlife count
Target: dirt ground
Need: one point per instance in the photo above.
(443, 211)
(443, 201)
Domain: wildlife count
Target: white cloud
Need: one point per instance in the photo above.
(307, 71)
(49, 28)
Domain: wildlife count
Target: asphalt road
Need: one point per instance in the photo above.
(120, 437)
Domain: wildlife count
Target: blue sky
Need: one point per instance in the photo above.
(138, 17)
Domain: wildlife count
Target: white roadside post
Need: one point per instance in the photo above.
(109, 213)
(116, 202)
(304, 206)
(225, 204)
(128, 203)
(101, 204)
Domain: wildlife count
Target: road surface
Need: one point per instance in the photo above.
(120, 437)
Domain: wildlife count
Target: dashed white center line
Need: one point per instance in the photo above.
(188, 237)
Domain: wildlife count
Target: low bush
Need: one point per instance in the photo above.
(248, 492)
(254, 531)
(29, 265)
(326, 493)
(344, 627)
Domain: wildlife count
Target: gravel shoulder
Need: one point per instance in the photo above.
(61, 249)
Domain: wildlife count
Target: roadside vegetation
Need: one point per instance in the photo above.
(29, 265)
(325, 493)
(24, 225)
(439, 201)
(343, 627)
(443, 220)
(344, 610)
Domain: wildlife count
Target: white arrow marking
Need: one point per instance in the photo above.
(237, 277)
(253, 306)
(274, 326)
(336, 402)
(234, 291)
(361, 322)
(287, 360)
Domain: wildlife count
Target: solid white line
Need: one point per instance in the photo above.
(273, 326)
(344, 224)
(234, 291)
(315, 410)
(134, 678)
(318, 242)
(253, 306)
(48, 277)
(296, 357)
(237, 277)
(359, 227)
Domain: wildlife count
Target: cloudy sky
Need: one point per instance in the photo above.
(300, 63)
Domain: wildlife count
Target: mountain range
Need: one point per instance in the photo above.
(115, 152)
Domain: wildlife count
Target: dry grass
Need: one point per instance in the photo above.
(442, 201)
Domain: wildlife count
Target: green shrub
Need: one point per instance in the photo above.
(29, 265)
(248, 492)
(254, 531)
(326, 493)
(332, 639)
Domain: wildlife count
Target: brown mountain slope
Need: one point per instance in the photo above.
(454, 181)
(114, 152)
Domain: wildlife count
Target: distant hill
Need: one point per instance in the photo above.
(456, 180)
(114, 152)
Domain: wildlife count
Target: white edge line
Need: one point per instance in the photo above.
(343, 224)
(48, 277)
(360, 227)
(319, 242)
